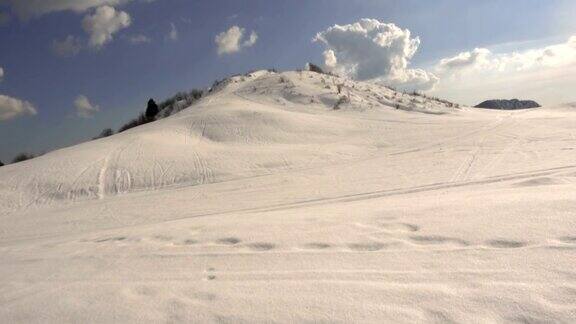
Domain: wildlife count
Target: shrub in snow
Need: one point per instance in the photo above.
(342, 100)
(105, 133)
(141, 120)
(314, 68)
(178, 102)
(22, 157)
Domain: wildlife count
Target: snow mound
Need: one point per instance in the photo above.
(245, 126)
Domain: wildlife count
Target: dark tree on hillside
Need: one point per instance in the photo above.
(152, 109)
(315, 68)
(105, 133)
(22, 157)
(1, 164)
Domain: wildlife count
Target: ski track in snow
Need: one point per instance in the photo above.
(102, 178)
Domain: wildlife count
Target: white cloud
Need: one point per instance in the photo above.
(482, 60)
(376, 51)
(251, 40)
(103, 24)
(233, 40)
(543, 73)
(36, 8)
(12, 107)
(330, 59)
(173, 34)
(1, 73)
(84, 108)
(412, 79)
(68, 47)
(478, 56)
(139, 39)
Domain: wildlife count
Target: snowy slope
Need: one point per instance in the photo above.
(249, 126)
(263, 203)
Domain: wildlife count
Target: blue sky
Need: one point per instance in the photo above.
(119, 76)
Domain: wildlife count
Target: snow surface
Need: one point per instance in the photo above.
(262, 203)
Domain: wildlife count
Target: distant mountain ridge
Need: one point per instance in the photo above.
(511, 104)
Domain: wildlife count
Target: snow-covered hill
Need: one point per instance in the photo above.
(264, 203)
(249, 126)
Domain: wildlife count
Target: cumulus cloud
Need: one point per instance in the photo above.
(545, 73)
(68, 47)
(84, 108)
(103, 23)
(412, 79)
(35, 8)
(12, 107)
(466, 59)
(373, 50)
(330, 59)
(173, 34)
(482, 60)
(233, 40)
(139, 39)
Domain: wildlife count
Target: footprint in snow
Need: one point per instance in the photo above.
(229, 241)
(366, 247)
(317, 246)
(261, 246)
(400, 227)
(190, 242)
(505, 244)
(436, 239)
(211, 275)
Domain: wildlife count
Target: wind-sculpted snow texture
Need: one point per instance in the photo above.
(263, 203)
